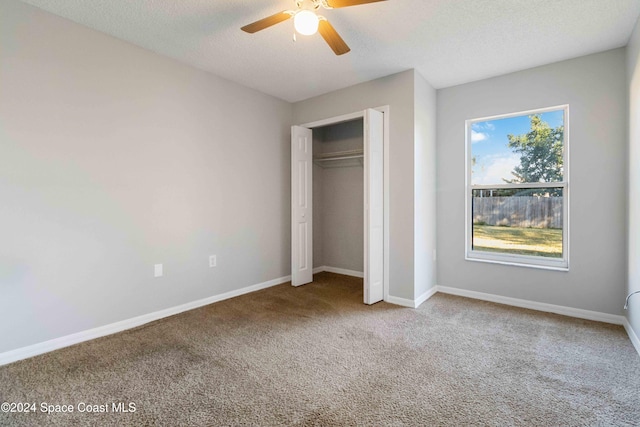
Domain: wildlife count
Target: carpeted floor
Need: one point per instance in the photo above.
(316, 355)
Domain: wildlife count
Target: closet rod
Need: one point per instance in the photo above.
(340, 155)
(355, 156)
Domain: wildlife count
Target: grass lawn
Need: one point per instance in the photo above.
(545, 242)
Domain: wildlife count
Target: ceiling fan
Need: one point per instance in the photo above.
(307, 22)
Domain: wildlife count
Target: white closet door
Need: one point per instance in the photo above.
(301, 206)
(373, 206)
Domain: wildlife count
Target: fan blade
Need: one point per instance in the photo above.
(345, 3)
(333, 39)
(266, 22)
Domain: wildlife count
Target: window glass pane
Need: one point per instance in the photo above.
(518, 149)
(518, 221)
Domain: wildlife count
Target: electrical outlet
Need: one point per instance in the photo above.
(157, 270)
(434, 254)
(213, 261)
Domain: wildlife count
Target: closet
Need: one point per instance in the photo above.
(337, 199)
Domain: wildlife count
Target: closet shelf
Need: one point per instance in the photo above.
(326, 159)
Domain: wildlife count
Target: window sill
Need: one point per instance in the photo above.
(520, 261)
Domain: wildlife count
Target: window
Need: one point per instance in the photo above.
(517, 188)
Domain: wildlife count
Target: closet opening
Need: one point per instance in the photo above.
(338, 200)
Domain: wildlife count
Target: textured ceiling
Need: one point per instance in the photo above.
(449, 42)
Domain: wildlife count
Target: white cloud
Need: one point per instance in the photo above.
(483, 126)
(494, 168)
(478, 136)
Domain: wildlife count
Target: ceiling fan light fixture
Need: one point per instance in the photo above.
(306, 22)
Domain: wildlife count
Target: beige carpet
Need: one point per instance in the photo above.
(316, 355)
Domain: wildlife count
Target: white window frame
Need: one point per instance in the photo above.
(515, 259)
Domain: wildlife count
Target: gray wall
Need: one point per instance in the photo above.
(397, 92)
(338, 209)
(113, 159)
(594, 87)
(318, 197)
(633, 81)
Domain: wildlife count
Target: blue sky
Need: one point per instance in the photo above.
(489, 144)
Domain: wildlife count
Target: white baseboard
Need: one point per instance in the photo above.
(412, 303)
(101, 331)
(401, 301)
(337, 270)
(540, 306)
(632, 335)
(425, 296)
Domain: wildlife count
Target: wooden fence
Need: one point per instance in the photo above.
(518, 211)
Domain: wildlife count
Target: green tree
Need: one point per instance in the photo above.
(540, 153)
